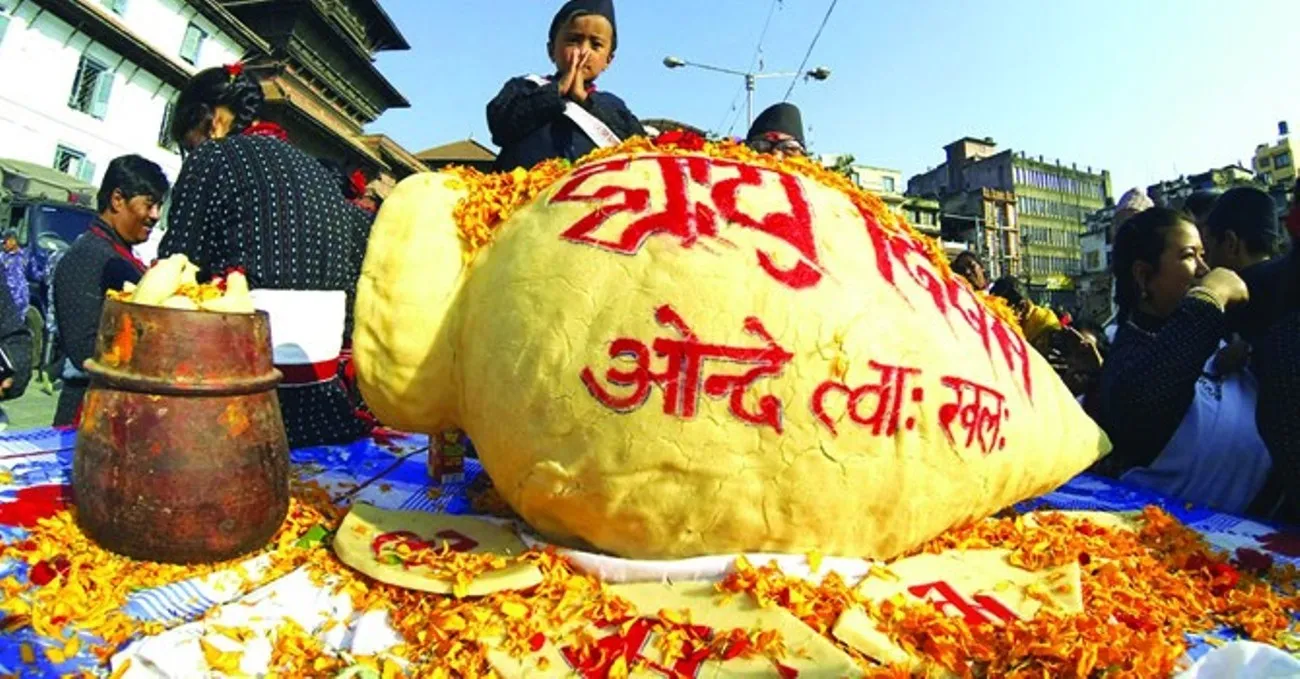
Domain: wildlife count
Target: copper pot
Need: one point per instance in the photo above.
(181, 453)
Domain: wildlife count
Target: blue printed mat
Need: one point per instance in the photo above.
(393, 474)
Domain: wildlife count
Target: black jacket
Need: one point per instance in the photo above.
(527, 121)
(88, 270)
(1277, 361)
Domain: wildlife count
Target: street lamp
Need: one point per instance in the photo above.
(820, 73)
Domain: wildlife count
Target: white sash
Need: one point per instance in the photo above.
(598, 132)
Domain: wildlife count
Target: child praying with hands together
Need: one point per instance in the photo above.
(535, 118)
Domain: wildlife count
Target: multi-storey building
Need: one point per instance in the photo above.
(84, 81)
(1094, 285)
(1172, 192)
(321, 80)
(1275, 161)
(1051, 201)
(922, 212)
(987, 220)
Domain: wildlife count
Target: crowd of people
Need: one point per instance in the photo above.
(1196, 377)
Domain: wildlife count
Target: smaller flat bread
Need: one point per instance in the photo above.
(387, 545)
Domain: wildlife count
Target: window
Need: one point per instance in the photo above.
(74, 163)
(5, 9)
(91, 88)
(1263, 162)
(193, 42)
(888, 184)
(117, 6)
(1282, 160)
(164, 131)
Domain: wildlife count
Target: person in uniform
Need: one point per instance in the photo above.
(16, 342)
(248, 199)
(536, 118)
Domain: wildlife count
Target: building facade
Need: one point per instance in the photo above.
(1172, 193)
(85, 81)
(879, 180)
(988, 222)
(1274, 162)
(1049, 202)
(82, 81)
(1095, 285)
(924, 213)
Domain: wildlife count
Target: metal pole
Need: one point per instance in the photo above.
(749, 105)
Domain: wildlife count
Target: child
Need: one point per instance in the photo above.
(563, 116)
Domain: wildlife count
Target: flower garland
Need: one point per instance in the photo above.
(1142, 591)
(75, 585)
(493, 198)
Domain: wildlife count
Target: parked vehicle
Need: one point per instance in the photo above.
(43, 210)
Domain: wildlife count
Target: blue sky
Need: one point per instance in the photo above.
(1148, 89)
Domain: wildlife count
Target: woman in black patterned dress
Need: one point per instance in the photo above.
(246, 198)
(1182, 419)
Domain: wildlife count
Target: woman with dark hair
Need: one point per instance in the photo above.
(1179, 421)
(248, 199)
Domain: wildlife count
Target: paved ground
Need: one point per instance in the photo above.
(34, 409)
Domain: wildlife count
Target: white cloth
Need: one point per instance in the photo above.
(597, 131)
(1216, 456)
(177, 653)
(1244, 660)
(306, 325)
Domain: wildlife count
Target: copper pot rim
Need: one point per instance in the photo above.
(167, 310)
(226, 386)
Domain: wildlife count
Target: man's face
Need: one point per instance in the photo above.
(135, 217)
(1222, 251)
(778, 143)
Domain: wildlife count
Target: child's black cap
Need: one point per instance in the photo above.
(603, 8)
